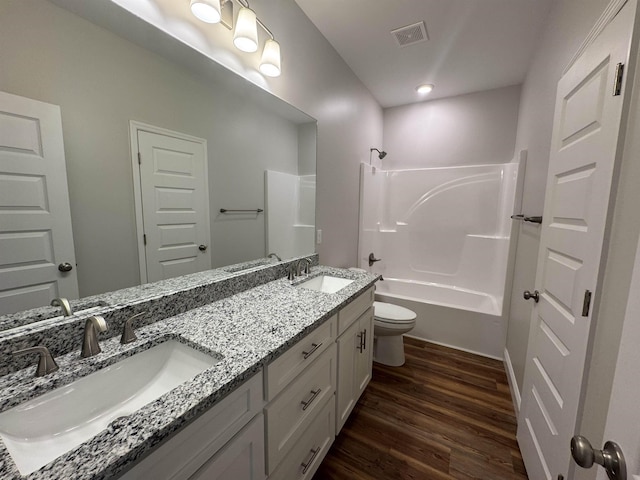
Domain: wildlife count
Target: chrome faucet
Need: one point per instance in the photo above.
(274, 255)
(291, 274)
(46, 363)
(128, 335)
(63, 303)
(90, 345)
(294, 268)
(307, 265)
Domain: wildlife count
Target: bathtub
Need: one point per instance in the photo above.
(450, 316)
(440, 294)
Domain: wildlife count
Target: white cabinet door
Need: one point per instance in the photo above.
(186, 452)
(348, 354)
(355, 360)
(35, 219)
(365, 356)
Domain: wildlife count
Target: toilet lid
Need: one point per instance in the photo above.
(390, 312)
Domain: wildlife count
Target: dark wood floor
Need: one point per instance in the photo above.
(445, 414)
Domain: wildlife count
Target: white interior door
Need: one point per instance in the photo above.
(174, 204)
(35, 220)
(583, 152)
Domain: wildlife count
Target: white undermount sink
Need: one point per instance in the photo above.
(40, 430)
(326, 283)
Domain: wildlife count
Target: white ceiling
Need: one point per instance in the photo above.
(473, 45)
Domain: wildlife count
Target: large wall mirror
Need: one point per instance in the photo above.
(260, 152)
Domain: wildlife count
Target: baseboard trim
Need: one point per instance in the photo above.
(513, 384)
(455, 347)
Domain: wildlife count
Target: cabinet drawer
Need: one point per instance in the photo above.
(289, 415)
(240, 459)
(306, 455)
(288, 366)
(352, 312)
(185, 452)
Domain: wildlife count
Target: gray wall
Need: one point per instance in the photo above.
(568, 24)
(472, 129)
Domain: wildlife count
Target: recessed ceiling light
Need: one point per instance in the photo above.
(424, 89)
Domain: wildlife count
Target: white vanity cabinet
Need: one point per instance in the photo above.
(280, 423)
(355, 354)
(303, 415)
(224, 443)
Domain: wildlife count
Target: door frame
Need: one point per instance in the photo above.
(135, 127)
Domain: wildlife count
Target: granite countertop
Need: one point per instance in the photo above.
(248, 329)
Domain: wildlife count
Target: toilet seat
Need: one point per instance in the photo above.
(392, 314)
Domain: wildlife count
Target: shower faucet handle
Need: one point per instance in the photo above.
(373, 259)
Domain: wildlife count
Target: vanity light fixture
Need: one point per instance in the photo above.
(424, 89)
(270, 63)
(245, 33)
(208, 11)
(245, 36)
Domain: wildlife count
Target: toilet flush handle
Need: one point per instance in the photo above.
(373, 259)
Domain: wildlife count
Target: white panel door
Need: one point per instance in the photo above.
(35, 220)
(175, 205)
(583, 152)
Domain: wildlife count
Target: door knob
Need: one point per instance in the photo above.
(373, 259)
(610, 457)
(535, 295)
(65, 267)
(202, 248)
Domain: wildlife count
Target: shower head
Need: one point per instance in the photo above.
(381, 154)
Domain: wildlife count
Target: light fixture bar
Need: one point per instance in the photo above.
(245, 37)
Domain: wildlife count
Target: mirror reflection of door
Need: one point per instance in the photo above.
(172, 202)
(36, 240)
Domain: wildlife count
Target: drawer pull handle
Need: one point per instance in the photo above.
(306, 404)
(361, 337)
(315, 346)
(365, 339)
(314, 454)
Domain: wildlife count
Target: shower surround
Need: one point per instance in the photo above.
(443, 239)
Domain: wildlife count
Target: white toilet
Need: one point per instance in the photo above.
(389, 323)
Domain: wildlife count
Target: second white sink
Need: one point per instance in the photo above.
(40, 430)
(326, 283)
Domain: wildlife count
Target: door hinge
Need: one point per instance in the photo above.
(139, 158)
(617, 84)
(586, 303)
(144, 238)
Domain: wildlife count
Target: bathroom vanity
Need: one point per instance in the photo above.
(290, 363)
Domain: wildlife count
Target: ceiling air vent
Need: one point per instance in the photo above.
(410, 34)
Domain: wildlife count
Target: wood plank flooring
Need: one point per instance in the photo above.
(445, 414)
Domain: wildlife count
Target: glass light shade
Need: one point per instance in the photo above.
(245, 36)
(206, 10)
(424, 89)
(270, 63)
